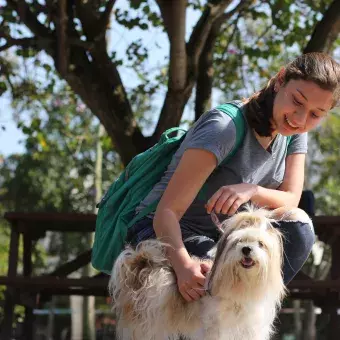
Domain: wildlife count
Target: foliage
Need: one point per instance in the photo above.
(253, 38)
(327, 165)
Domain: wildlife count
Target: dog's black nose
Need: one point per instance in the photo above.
(246, 251)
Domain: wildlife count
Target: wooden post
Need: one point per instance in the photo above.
(27, 262)
(334, 322)
(7, 324)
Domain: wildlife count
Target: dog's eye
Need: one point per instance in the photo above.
(261, 245)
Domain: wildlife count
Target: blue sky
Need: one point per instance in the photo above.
(10, 138)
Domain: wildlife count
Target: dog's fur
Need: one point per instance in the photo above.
(243, 293)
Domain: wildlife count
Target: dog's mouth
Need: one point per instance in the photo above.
(247, 262)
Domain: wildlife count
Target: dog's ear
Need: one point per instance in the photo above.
(216, 221)
(277, 233)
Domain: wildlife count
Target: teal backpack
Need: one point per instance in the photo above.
(116, 213)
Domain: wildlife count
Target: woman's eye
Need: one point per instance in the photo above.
(296, 102)
(314, 115)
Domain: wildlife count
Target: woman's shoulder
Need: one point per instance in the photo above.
(298, 143)
(218, 119)
(214, 131)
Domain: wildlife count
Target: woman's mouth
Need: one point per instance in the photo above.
(290, 124)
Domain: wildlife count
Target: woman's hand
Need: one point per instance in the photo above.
(229, 198)
(191, 279)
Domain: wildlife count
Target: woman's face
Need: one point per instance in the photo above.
(299, 106)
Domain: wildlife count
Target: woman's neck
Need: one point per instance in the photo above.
(265, 141)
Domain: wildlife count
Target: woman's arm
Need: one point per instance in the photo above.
(289, 192)
(230, 197)
(192, 171)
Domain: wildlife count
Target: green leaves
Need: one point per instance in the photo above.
(3, 87)
(325, 165)
(141, 15)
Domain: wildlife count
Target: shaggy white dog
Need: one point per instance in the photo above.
(244, 288)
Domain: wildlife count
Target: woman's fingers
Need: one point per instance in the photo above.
(217, 200)
(205, 267)
(225, 201)
(231, 205)
(222, 201)
(193, 294)
(213, 199)
(227, 204)
(238, 202)
(200, 291)
(186, 296)
(192, 291)
(191, 280)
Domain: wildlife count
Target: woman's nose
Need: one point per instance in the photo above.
(299, 118)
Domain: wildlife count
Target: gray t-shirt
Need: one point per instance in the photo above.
(215, 131)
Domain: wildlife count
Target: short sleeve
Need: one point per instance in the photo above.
(215, 131)
(298, 144)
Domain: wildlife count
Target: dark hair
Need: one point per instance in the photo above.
(317, 67)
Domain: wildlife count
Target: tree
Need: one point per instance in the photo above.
(58, 172)
(73, 34)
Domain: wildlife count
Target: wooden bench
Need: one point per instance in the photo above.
(32, 292)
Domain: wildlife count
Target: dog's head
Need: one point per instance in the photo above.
(248, 255)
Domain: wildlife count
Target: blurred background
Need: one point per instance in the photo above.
(87, 85)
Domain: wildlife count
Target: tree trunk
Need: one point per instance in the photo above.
(205, 75)
(50, 322)
(89, 318)
(90, 301)
(297, 319)
(309, 329)
(76, 317)
(326, 30)
(92, 75)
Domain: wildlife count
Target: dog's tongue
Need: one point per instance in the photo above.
(247, 261)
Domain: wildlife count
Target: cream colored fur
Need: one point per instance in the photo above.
(240, 303)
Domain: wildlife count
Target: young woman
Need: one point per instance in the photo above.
(263, 170)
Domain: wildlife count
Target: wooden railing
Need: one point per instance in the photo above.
(32, 292)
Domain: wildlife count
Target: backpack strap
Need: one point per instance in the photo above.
(233, 110)
(289, 138)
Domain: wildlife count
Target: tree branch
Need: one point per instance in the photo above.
(175, 100)
(326, 30)
(40, 43)
(94, 26)
(87, 18)
(206, 69)
(202, 29)
(240, 7)
(61, 29)
(29, 18)
(165, 8)
(95, 80)
(174, 16)
(37, 44)
(105, 17)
